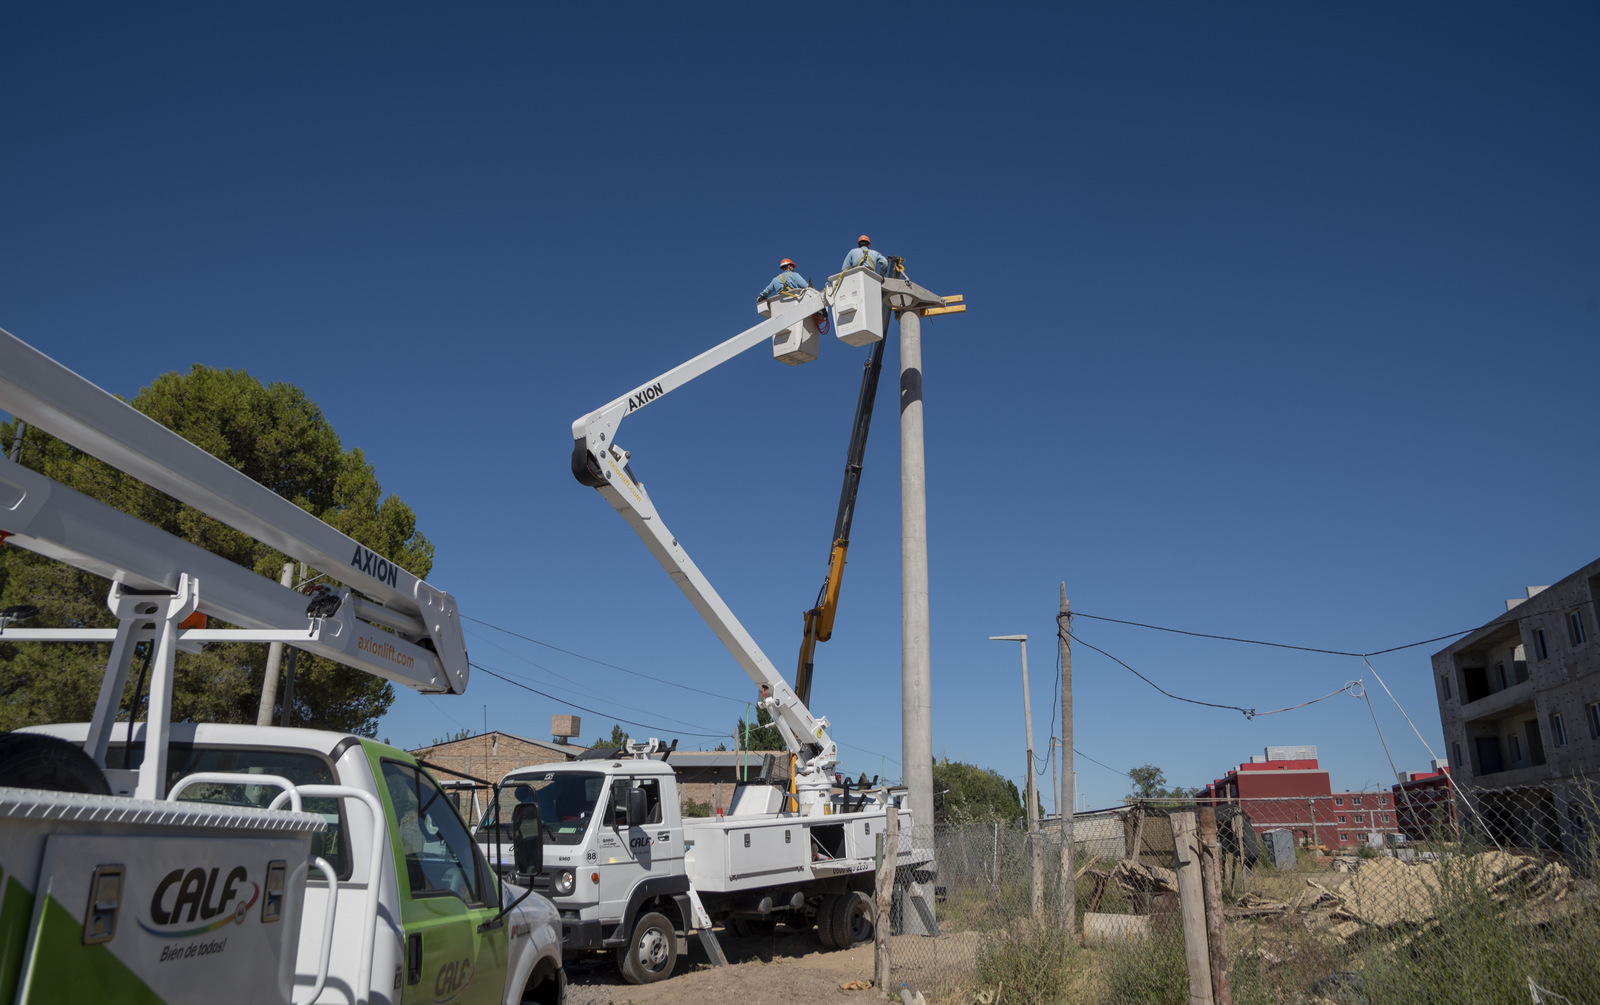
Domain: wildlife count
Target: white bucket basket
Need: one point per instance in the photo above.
(796, 344)
(858, 306)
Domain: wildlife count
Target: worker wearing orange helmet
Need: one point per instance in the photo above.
(786, 281)
(864, 255)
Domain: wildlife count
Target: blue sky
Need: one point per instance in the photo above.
(1283, 325)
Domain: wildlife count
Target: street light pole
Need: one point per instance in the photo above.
(1035, 847)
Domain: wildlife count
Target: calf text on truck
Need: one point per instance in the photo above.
(155, 860)
(627, 873)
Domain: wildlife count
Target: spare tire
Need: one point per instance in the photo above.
(35, 761)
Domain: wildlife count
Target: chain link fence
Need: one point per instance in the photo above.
(1461, 896)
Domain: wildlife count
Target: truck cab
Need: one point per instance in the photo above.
(613, 857)
(420, 917)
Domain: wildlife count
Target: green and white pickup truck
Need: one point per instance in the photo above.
(204, 896)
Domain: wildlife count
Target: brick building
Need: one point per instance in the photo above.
(1519, 700)
(1424, 806)
(703, 777)
(490, 756)
(1286, 789)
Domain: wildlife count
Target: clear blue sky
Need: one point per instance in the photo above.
(1283, 324)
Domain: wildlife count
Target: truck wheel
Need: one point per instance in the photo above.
(852, 920)
(652, 952)
(32, 761)
(825, 921)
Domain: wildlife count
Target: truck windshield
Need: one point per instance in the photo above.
(566, 801)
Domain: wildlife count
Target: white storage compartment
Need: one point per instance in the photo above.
(796, 344)
(858, 306)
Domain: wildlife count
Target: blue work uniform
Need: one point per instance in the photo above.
(861, 255)
(783, 282)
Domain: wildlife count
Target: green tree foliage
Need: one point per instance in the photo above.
(965, 793)
(763, 734)
(278, 437)
(617, 738)
(1149, 782)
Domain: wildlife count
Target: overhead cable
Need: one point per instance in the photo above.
(542, 694)
(613, 666)
(1276, 645)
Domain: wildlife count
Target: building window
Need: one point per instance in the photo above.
(1516, 747)
(1361, 818)
(1558, 729)
(1594, 721)
(1386, 818)
(1541, 644)
(1355, 801)
(1444, 686)
(1341, 818)
(1500, 676)
(1338, 801)
(1381, 801)
(1344, 837)
(1455, 746)
(1575, 628)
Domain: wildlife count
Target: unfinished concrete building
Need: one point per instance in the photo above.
(1519, 700)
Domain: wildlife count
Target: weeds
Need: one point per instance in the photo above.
(1034, 962)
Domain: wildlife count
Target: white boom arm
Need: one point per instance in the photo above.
(599, 462)
(46, 394)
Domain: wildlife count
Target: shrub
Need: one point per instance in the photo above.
(1033, 962)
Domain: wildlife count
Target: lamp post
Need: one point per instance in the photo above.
(1035, 849)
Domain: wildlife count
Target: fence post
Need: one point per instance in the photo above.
(884, 895)
(1191, 903)
(1211, 882)
(1036, 851)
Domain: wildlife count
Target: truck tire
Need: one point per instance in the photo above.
(652, 952)
(32, 761)
(825, 921)
(852, 920)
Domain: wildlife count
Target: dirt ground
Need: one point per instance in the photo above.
(780, 969)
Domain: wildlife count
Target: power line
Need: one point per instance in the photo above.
(591, 659)
(1103, 764)
(630, 722)
(1277, 645)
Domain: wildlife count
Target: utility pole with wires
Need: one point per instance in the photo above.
(1066, 794)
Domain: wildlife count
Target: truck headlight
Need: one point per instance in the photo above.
(564, 881)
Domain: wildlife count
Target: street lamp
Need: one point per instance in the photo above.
(1027, 722)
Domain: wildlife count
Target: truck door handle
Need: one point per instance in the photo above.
(414, 959)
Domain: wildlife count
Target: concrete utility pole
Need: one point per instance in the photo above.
(1066, 800)
(916, 655)
(269, 684)
(16, 440)
(911, 303)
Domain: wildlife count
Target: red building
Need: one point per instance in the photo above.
(1287, 790)
(1424, 804)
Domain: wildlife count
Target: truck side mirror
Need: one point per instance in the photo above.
(527, 839)
(638, 808)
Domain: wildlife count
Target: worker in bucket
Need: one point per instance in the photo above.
(864, 255)
(786, 281)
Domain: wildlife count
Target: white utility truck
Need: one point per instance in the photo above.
(626, 872)
(155, 862)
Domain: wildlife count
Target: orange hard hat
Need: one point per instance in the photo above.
(864, 239)
(786, 264)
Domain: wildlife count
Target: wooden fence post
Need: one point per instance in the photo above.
(884, 895)
(1211, 881)
(1191, 904)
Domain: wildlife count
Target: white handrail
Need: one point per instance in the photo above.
(369, 921)
(327, 930)
(240, 778)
